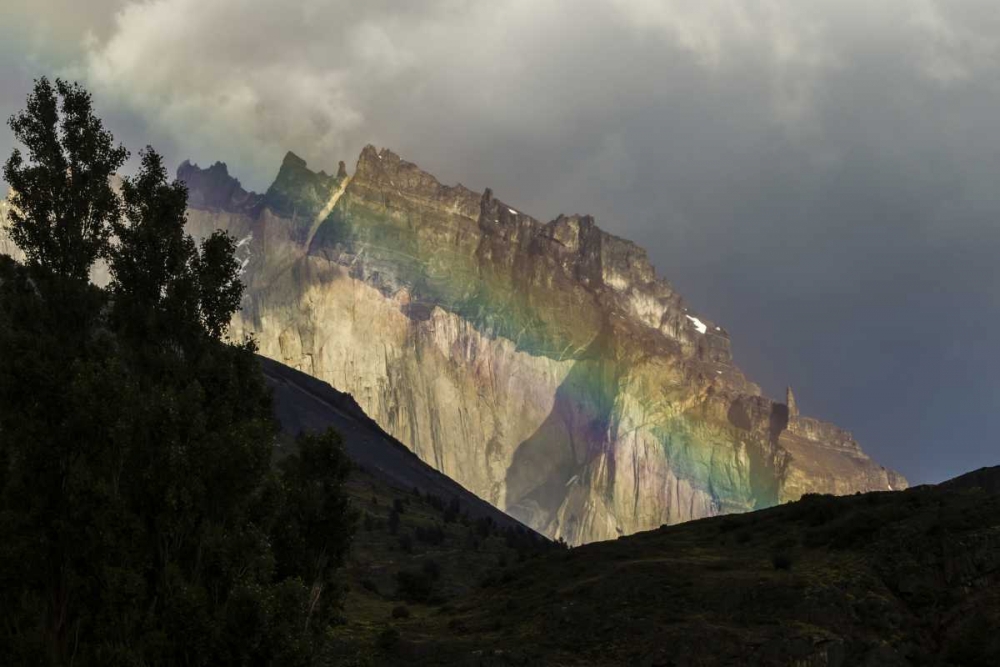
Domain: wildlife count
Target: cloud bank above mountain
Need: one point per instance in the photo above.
(819, 175)
(257, 77)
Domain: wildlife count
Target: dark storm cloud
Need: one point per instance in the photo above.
(820, 177)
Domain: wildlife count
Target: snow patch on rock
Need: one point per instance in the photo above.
(698, 324)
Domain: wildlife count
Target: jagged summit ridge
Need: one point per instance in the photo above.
(543, 365)
(214, 188)
(573, 250)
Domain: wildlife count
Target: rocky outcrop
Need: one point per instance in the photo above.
(213, 188)
(542, 365)
(793, 406)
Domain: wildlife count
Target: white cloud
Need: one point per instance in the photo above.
(950, 49)
(227, 77)
(248, 79)
(245, 80)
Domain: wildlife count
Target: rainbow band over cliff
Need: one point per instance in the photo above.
(544, 366)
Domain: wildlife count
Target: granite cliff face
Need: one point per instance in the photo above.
(543, 366)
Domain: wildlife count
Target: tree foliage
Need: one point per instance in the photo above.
(158, 272)
(62, 198)
(142, 521)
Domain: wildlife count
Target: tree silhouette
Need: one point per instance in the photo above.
(62, 199)
(141, 519)
(158, 270)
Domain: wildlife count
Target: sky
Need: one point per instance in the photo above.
(818, 176)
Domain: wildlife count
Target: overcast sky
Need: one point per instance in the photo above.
(819, 176)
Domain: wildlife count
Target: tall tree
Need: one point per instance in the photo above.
(62, 198)
(159, 276)
(151, 257)
(219, 286)
(141, 519)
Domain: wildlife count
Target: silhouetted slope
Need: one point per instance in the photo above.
(303, 403)
(882, 579)
(987, 479)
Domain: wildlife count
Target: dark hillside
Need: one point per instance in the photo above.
(987, 479)
(904, 578)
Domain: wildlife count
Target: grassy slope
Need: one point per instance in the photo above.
(880, 579)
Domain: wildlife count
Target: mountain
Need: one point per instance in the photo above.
(906, 578)
(986, 479)
(543, 366)
(896, 579)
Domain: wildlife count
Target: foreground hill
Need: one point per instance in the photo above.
(543, 366)
(882, 579)
(900, 578)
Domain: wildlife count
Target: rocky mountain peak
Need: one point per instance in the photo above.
(376, 164)
(295, 173)
(214, 188)
(572, 251)
(404, 185)
(793, 408)
(570, 232)
(298, 192)
(293, 162)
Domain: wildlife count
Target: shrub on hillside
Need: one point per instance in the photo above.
(432, 535)
(782, 560)
(431, 569)
(393, 522)
(451, 512)
(414, 585)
